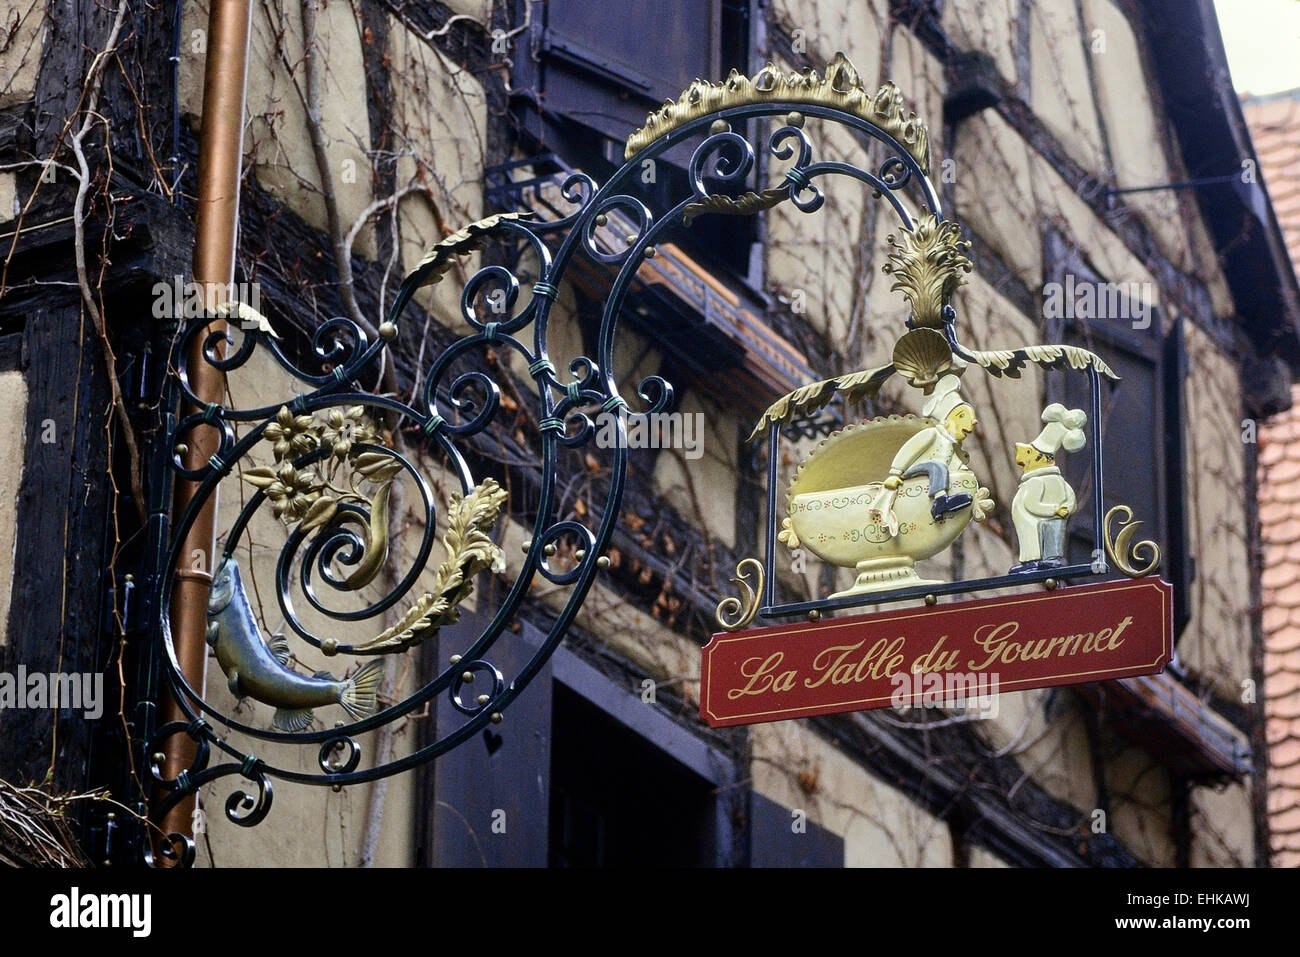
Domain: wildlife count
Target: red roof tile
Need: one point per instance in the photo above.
(1275, 128)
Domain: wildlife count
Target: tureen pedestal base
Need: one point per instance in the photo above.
(885, 574)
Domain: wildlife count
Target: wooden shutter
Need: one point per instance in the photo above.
(609, 63)
(774, 840)
(1179, 567)
(505, 769)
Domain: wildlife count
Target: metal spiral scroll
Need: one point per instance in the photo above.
(327, 488)
(1124, 553)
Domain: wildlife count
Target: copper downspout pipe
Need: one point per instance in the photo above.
(221, 149)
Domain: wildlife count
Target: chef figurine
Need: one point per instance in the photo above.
(1045, 500)
(934, 452)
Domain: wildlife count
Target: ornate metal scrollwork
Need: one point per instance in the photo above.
(736, 613)
(326, 463)
(1123, 552)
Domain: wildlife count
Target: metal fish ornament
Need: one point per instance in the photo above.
(260, 669)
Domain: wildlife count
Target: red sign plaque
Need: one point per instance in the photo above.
(1072, 635)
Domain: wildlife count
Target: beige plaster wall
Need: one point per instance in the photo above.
(439, 121)
(9, 204)
(21, 36)
(987, 26)
(276, 138)
(1216, 644)
(13, 408)
(881, 827)
(1060, 85)
(1140, 815)
(814, 257)
(1222, 826)
(1135, 134)
(825, 29)
(992, 165)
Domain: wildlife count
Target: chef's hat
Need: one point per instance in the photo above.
(946, 397)
(1064, 429)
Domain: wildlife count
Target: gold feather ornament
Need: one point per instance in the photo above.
(927, 264)
(469, 551)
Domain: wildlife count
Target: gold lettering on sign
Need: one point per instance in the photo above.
(880, 661)
(1115, 640)
(763, 676)
(933, 660)
(848, 664)
(995, 640)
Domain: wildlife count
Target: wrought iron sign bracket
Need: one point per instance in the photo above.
(318, 462)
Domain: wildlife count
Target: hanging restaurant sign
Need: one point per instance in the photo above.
(319, 468)
(920, 656)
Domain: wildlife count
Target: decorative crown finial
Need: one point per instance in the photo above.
(841, 89)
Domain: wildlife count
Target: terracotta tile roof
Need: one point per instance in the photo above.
(1274, 123)
(1275, 128)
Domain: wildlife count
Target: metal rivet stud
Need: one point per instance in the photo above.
(719, 126)
(496, 717)
(931, 600)
(455, 659)
(484, 699)
(467, 676)
(602, 561)
(814, 615)
(387, 331)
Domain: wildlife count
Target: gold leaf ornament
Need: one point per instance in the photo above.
(840, 89)
(344, 428)
(291, 491)
(246, 316)
(787, 535)
(928, 264)
(807, 399)
(744, 205)
(467, 239)
(469, 551)
(1010, 362)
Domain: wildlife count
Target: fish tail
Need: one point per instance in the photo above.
(360, 694)
(289, 719)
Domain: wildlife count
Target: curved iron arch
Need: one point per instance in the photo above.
(450, 412)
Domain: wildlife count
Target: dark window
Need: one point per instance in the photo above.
(600, 68)
(1143, 424)
(607, 64)
(617, 800)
